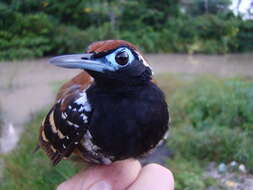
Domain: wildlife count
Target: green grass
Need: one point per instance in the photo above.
(189, 174)
(27, 170)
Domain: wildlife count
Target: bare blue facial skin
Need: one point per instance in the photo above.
(84, 61)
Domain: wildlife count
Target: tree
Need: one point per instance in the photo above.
(200, 7)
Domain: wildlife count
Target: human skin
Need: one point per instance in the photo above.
(121, 175)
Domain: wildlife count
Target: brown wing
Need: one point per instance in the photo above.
(65, 124)
(80, 81)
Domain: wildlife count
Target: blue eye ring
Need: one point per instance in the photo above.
(122, 58)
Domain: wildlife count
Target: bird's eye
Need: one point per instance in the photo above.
(122, 58)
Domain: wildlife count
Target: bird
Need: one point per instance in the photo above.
(112, 110)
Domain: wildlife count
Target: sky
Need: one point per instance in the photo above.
(243, 7)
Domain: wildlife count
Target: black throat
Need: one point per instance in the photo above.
(135, 75)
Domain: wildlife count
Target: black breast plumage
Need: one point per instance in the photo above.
(128, 122)
(106, 125)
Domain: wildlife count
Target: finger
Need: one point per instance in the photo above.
(117, 176)
(153, 176)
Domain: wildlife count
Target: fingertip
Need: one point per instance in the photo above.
(119, 175)
(158, 168)
(62, 186)
(154, 176)
(122, 173)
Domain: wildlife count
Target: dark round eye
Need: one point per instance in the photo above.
(122, 58)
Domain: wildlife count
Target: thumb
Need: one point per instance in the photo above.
(117, 176)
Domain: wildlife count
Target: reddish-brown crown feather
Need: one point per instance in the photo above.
(107, 45)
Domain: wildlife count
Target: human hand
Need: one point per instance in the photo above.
(121, 175)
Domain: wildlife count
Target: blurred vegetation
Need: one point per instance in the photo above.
(1, 120)
(208, 102)
(211, 122)
(189, 174)
(24, 169)
(35, 28)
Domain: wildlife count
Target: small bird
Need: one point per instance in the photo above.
(112, 110)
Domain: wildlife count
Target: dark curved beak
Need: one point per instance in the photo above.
(81, 61)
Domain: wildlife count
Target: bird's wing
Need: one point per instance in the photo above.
(80, 81)
(66, 122)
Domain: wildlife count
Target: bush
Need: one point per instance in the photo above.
(221, 144)
(189, 174)
(245, 36)
(208, 101)
(213, 120)
(28, 38)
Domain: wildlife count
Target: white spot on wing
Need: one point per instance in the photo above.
(166, 135)
(84, 117)
(87, 135)
(95, 147)
(88, 144)
(160, 142)
(70, 123)
(83, 101)
(106, 161)
(64, 115)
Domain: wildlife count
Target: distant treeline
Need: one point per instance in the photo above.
(35, 28)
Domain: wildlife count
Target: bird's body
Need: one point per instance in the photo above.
(107, 114)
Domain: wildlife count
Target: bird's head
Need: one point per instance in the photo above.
(110, 61)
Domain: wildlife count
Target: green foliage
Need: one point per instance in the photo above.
(200, 7)
(209, 102)
(245, 36)
(212, 120)
(26, 170)
(40, 28)
(28, 38)
(218, 143)
(189, 174)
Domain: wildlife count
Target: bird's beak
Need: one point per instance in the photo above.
(81, 61)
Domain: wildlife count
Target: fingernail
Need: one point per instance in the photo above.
(102, 185)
